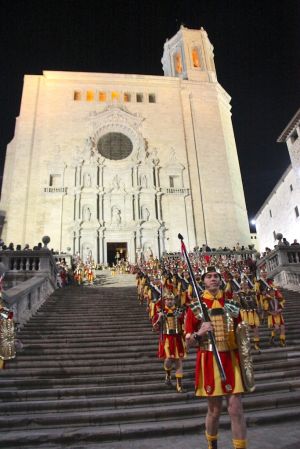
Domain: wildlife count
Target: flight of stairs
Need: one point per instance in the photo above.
(89, 373)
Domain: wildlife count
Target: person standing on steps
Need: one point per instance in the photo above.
(169, 322)
(224, 323)
(274, 305)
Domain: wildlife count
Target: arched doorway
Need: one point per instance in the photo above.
(116, 251)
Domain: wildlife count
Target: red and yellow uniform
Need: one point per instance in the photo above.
(172, 344)
(250, 307)
(171, 348)
(274, 305)
(90, 274)
(78, 275)
(208, 381)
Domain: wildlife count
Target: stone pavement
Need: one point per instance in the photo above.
(281, 436)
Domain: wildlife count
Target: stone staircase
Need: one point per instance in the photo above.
(88, 373)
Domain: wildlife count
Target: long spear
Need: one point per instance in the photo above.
(204, 312)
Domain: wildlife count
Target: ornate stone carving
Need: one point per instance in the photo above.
(117, 119)
(115, 215)
(86, 213)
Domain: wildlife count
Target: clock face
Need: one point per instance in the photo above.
(114, 146)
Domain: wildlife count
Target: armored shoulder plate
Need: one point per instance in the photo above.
(232, 308)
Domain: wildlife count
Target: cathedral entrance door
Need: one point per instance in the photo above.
(116, 251)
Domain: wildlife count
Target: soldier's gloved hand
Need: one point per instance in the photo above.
(205, 327)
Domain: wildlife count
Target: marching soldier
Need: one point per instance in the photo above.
(90, 275)
(185, 289)
(154, 295)
(78, 274)
(169, 321)
(250, 310)
(274, 305)
(226, 325)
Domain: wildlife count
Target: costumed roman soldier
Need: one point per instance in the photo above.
(250, 309)
(78, 274)
(273, 302)
(154, 295)
(232, 284)
(185, 289)
(90, 275)
(232, 343)
(169, 321)
(140, 281)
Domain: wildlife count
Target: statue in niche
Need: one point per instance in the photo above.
(115, 215)
(87, 182)
(178, 62)
(196, 59)
(116, 183)
(145, 214)
(144, 181)
(86, 214)
(173, 155)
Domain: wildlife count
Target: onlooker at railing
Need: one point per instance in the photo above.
(285, 242)
(26, 247)
(295, 243)
(11, 247)
(38, 246)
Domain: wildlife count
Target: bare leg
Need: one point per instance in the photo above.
(213, 414)
(179, 375)
(236, 413)
(178, 367)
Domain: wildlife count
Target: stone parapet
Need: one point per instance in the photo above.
(283, 265)
(30, 278)
(26, 298)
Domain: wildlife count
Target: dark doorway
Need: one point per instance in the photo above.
(116, 251)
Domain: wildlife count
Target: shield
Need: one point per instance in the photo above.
(7, 339)
(244, 347)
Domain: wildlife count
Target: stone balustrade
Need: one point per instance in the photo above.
(237, 255)
(176, 191)
(283, 265)
(26, 298)
(30, 277)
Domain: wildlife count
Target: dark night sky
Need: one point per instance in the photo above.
(257, 56)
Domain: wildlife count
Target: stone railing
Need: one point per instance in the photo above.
(176, 191)
(55, 189)
(237, 255)
(21, 265)
(26, 298)
(283, 264)
(30, 277)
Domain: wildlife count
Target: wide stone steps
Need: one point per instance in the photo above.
(149, 412)
(88, 373)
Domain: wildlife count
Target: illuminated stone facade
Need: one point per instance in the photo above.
(280, 213)
(103, 159)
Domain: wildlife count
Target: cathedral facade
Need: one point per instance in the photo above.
(114, 163)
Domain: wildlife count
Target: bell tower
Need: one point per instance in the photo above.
(189, 55)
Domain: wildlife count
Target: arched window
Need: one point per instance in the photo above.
(89, 95)
(77, 95)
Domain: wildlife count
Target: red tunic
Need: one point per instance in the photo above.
(207, 376)
(171, 346)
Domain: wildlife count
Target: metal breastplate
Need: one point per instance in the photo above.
(223, 328)
(171, 324)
